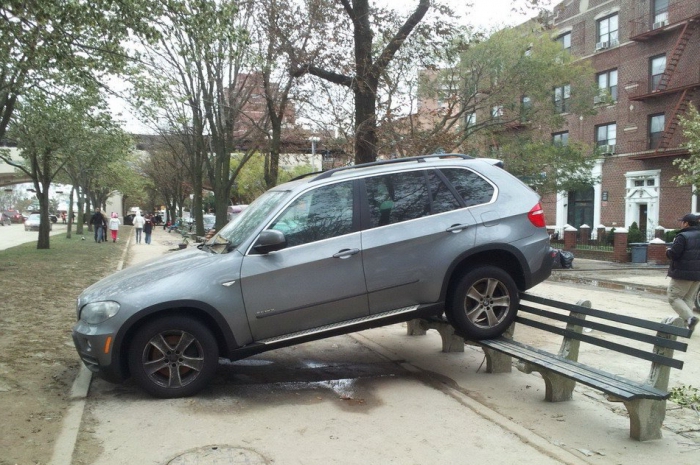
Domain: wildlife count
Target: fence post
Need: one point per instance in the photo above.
(620, 254)
(584, 234)
(570, 237)
(656, 254)
(660, 232)
(601, 234)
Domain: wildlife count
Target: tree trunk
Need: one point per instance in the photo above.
(365, 125)
(43, 242)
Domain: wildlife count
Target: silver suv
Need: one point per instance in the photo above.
(328, 254)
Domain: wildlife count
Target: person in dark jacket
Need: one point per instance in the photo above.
(684, 270)
(98, 221)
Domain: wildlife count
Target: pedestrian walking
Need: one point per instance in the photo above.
(114, 226)
(138, 226)
(148, 228)
(97, 221)
(684, 270)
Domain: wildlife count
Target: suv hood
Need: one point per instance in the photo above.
(174, 271)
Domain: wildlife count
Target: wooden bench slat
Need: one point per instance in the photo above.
(645, 355)
(629, 320)
(604, 381)
(641, 337)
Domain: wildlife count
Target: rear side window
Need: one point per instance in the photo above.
(398, 197)
(473, 188)
(441, 197)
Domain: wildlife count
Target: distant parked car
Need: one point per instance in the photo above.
(53, 218)
(32, 223)
(129, 219)
(5, 219)
(15, 216)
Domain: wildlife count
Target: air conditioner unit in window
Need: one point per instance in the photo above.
(609, 149)
(602, 45)
(660, 24)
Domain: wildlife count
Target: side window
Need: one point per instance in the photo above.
(397, 197)
(473, 188)
(442, 199)
(319, 214)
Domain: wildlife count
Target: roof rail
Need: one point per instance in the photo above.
(418, 159)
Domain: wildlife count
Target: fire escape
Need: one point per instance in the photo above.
(683, 18)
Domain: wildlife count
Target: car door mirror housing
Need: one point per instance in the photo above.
(270, 240)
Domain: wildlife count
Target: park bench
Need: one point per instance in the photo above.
(655, 342)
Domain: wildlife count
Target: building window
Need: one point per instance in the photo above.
(562, 96)
(606, 135)
(560, 138)
(607, 85)
(657, 65)
(497, 112)
(660, 13)
(607, 32)
(656, 130)
(565, 41)
(470, 119)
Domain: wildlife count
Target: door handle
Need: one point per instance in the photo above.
(455, 228)
(346, 253)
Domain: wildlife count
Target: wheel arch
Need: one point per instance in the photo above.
(199, 311)
(504, 256)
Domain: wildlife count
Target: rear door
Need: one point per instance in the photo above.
(318, 278)
(415, 225)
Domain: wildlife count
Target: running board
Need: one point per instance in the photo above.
(335, 326)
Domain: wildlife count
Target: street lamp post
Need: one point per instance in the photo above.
(313, 140)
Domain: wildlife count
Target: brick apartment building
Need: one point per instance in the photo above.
(646, 55)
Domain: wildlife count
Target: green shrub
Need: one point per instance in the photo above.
(635, 235)
(669, 236)
(610, 237)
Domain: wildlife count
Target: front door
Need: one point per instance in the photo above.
(318, 278)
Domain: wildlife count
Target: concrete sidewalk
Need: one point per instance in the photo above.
(441, 409)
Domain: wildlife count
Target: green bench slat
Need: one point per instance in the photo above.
(598, 379)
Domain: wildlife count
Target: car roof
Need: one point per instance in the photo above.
(388, 166)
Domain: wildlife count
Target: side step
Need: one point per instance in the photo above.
(335, 326)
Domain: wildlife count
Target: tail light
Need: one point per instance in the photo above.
(536, 216)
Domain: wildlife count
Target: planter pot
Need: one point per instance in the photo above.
(182, 246)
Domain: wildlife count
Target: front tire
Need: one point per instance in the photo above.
(484, 303)
(173, 357)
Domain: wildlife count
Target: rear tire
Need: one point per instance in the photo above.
(173, 357)
(484, 304)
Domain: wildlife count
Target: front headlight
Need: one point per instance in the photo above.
(97, 312)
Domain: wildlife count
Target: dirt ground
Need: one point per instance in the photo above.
(38, 361)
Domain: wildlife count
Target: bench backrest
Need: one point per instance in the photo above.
(631, 328)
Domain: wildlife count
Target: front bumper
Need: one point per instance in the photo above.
(96, 351)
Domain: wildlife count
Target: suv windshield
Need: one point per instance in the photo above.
(249, 219)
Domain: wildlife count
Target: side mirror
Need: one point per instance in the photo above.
(270, 240)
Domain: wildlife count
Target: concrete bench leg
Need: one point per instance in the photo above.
(557, 387)
(450, 341)
(415, 328)
(497, 362)
(646, 418)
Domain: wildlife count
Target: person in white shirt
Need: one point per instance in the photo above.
(114, 226)
(138, 226)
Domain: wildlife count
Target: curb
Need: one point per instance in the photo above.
(610, 284)
(68, 437)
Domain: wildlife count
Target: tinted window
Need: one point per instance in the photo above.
(473, 188)
(442, 199)
(397, 197)
(318, 214)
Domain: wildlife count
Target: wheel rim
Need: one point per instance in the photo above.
(487, 302)
(173, 359)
